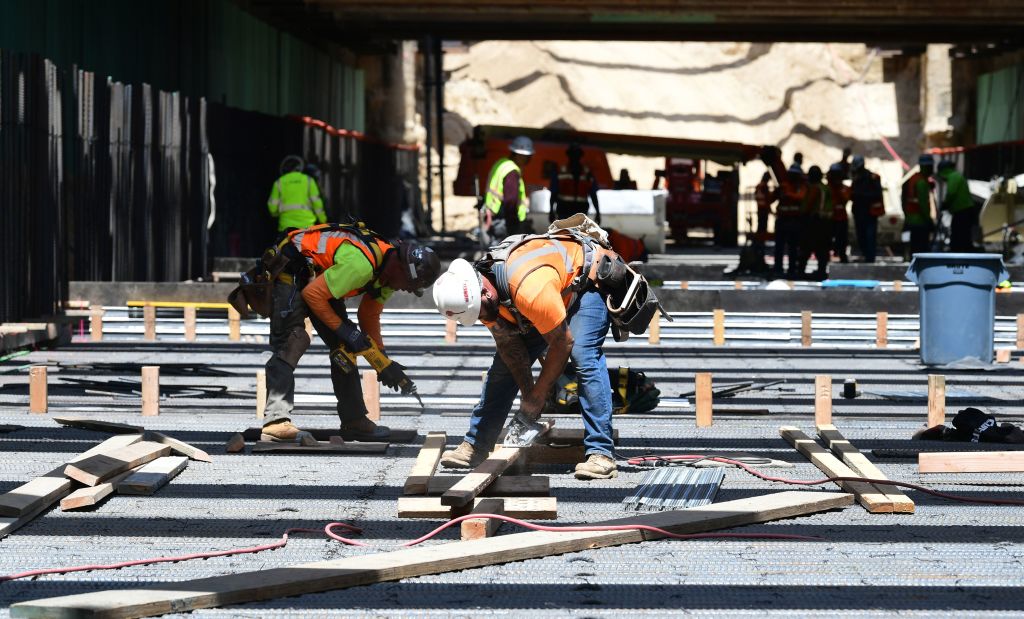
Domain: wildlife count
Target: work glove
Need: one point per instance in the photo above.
(394, 377)
(354, 340)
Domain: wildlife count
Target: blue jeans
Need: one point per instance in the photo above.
(867, 234)
(589, 323)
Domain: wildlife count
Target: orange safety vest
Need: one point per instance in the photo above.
(911, 205)
(565, 256)
(318, 244)
(791, 201)
(574, 190)
(840, 196)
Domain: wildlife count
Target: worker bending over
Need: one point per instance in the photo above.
(958, 201)
(573, 189)
(506, 192)
(295, 197)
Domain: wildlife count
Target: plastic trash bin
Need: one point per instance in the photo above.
(958, 304)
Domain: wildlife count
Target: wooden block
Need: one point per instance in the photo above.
(805, 328)
(28, 496)
(451, 331)
(702, 389)
(101, 467)
(684, 285)
(371, 395)
(92, 495)
(235, 444)
(98, 425)
(261, 394)
(479, 528)
(473, 483)
(153, 476)
(190, 323)
(822, 400)
(1020, 331)
(267, 447)
(859, 463)
(882, 329)
(654, 330)
(150, 390)
(235, 325)
(309, 327)
(149, 322)
(536, 508)
(936, 400)
(873, 499)
(185, 596)
(544, 454)
(971, 462)
(506, 485)
(897, 285)
(426, 463)
(96, 323)
(179, 447)
(37, 391)
(398, 435)
(738, 285)
(1003, 355)
(718, 335)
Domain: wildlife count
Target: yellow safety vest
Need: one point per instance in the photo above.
(496, 187)
(295, 202)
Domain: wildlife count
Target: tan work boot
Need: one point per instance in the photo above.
(363, 429)
(464, 456)
(284, 431)
(597, 466)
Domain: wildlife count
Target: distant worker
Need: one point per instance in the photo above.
(840, 219)
(575, 188)
(844, 163)
(788, 220)
(798, 162)
(295, 198)
(506, 191)
(817, 226)
(625, 182)
(764, 197)
(958, 201)
(917, 205)
(866, 194)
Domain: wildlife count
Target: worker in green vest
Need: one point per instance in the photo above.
(506, 192)
(958, 201)
(295, 198)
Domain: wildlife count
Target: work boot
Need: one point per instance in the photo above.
(284, 431)
(363, 429)
(465, 456)
(597, 466)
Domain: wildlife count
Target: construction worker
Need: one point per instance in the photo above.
(866, 195)
(327, 264)
(917, 205)
(798, 162)
(295, 198)
(958, 201)
(844, 163)
(788, 220)
(817, 227)
(625, 182)
(764, 197)
(574, 189)
(544, 313)
(506, 192)
(840, 219)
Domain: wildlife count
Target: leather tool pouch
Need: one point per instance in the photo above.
(631, 302)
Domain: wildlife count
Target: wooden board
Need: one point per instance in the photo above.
(536, 508)
(506, 485)
(545, 454)
(873, 499)
(479, 478)
(177, 446)
(426, 463)
(971, 462)
(153, 476)
(101, 467)
(478, 528)
(90, 496)
(99, 426)
(268, 447)
(852, 457)
(26, 497)
(185, 596)
(398, 435)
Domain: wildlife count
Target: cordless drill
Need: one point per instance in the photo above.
(345, 360)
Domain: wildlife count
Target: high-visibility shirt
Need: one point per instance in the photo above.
(574, 192)
(840, 196)
(496, 187)
(295, 202)
(958, 197)
(350, 264)
(540, 281)
(917, 209)
(818, 201)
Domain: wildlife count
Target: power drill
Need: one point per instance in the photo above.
(346, 362)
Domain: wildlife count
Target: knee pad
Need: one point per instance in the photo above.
(295, 347)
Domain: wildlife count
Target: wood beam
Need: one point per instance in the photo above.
(971, 462)
(853, 458)
(426, 463)
(472, 484)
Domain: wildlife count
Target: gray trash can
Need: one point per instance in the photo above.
(958, 304)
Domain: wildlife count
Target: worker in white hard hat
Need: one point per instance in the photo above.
(546, 312)
(506, 192)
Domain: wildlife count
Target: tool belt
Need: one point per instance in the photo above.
(631, 302)
(256, 287)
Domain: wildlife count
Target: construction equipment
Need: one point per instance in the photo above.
(696, 200)
(345, 360)
(675, 488)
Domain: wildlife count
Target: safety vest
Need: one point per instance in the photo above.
(818, 201)
(840, 196)
(295, 201)
(496, 187)
(791, 200)
(318, 245)
(574, 192)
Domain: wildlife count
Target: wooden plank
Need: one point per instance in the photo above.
(267, 447)
(90, 496)
(96, 323)
(179, 447)
(718, 326)
(897, 285)
(185, 596)
(479, 478)
(936, 400)
(1020, 331)
(565, 436)
(234, 325)
(822, 399)
(398, 435)
(654, 330)
(805, 328)
(881, 329)
(451, 331)
(149, 322)
(870, 497)
(190, 322)
(150, 390)
(479, 528)
(853, 458)
(101, 467)
(702, 392)
(426, 463)
(261, 394)
(98, 425)
(37, 391)
(546, 454)
(29, 495)
(506, 485)
(535, 508)
(971, 462)
(371, 395)
(153, 476)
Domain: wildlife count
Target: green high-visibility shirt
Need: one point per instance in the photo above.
(496, 188)
(352, 271)
(295, 202)
(958, 197)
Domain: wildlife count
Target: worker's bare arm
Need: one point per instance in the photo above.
(560, 343)
(513, 351)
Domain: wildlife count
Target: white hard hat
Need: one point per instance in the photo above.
(457, 293)
(522, 145)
